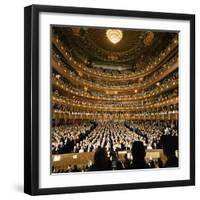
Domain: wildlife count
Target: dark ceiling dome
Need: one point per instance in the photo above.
(135, 78)
(136, 46)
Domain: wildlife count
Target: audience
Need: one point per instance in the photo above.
(170, 145)
(138, 153)
(107, 139)
(145, 92)
(65, 139)
(101, 161)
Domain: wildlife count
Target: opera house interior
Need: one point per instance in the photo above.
(114, 99)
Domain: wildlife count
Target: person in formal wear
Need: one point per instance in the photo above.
(101, 161)
(169, 144)
(138, 153)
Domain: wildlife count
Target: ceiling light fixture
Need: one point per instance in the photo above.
(114, 35)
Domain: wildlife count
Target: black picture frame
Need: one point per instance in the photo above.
(31, 98)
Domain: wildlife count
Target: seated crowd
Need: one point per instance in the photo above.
(65, 137)
(152, 132)
(104, 160)
(107, 139)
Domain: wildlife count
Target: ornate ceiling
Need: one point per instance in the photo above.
(135, 48)
(146, 84)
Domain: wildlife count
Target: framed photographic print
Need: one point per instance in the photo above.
(109, 100)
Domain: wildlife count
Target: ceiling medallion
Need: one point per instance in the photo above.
(114, 35)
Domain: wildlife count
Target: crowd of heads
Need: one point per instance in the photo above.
(107, 139)
(153, 132)
(147, 88)
(64, 138)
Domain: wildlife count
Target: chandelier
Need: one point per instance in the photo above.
(114, 35)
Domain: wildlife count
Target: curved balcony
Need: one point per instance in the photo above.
(135, 97)
(76, 80)
(80, 67)
(72, 104)
(111, 83)
(127, 116)
(117, 104)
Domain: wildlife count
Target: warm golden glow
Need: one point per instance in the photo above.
(58, 76)
(149, 38)
(114, 35)
(158, 83)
